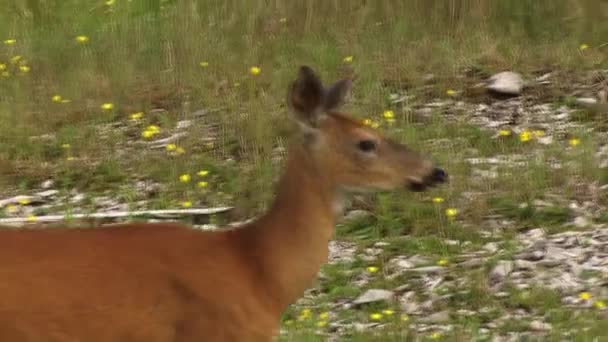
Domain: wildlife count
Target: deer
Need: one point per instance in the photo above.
(170, 282)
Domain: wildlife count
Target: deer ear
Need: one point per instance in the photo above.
(305, 97)
(336, 94)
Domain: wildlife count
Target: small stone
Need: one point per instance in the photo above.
(537, 325)
(183, 124)
(374, 295)
(436, 318)
(47, 184)
(524, 265)
(506, 82)
(356, 215)
(501, 294)
(429, 269)
(500, 272)
(586, 101)
(47, 193)
(581, 222)
(491, 247)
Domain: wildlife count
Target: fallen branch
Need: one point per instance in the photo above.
(166, 214)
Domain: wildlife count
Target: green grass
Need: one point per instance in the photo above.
(145, 56)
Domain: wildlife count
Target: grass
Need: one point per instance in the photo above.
(170, 59)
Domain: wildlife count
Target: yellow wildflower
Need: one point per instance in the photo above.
(504, 132)
(66, 146)
(437, 199)
(574, 142)
(372, 269)
(583, 47)
(24, 201)
(24, 68)
(442, 262)
(110, 2)
(15, 59)
(185, 178)
(538, 133)
(389, 116)
(204, 64)
(180, 150)
(525, 136)
(304, 314)
(405, 318)
(2, 66)
(450, 92)
(254, 70)
(70, 158)
(599, 304)
(10, 41)
(32, 218)
(324, 315)
(371, 123)
(82, 39)
(186, 204)
(435, 336)
(451, 212)
(202, 184)
(171, 147)
(147, 134)
(388, 312)
(202, 173)
(107, 106)
(321, 324)
(56, 98)
(283, 20)
(585, 296)
(376, 316)
(348, 59)
(136, 116)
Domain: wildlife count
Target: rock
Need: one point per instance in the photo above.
(47, 193)
(585, 101)
(500, 272)
(400, 264)
(537, 325)
(429, 269)
(356, 215)
(183, 124)
(491, 247)
(374, 295)
(436, 318)
(340, 251)
(47, 184)
(524, 265)
(408, 303)
(506, 82)
(581, 222)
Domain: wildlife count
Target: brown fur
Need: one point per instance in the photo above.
(168, 282)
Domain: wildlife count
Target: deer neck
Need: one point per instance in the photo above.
(291, 239)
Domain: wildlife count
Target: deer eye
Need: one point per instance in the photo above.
(367, 145)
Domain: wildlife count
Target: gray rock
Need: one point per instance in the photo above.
(429, 269)
(585, 101)
(491, 247)
(524, 265)
(436, 318)
(355, 215)
(47, 184)
(500, 272)
(374, 295)
(506, 82)
(537, 325)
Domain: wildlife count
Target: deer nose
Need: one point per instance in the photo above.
(438, 176)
